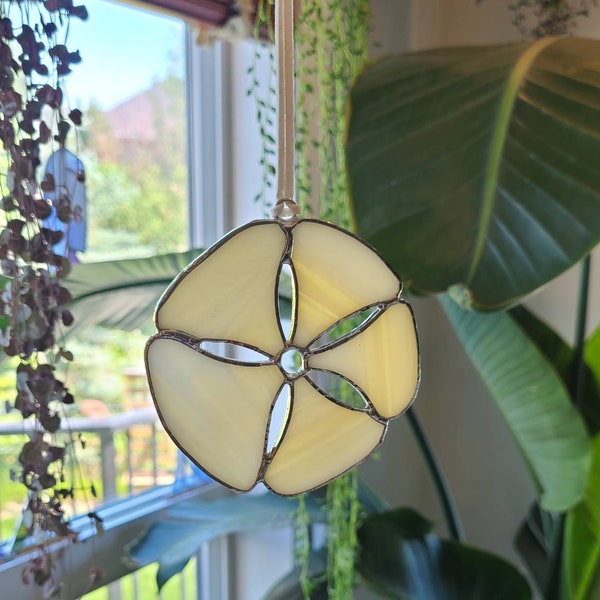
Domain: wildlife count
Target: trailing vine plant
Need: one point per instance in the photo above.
(331, 41)
(34, 61)
(332, 44)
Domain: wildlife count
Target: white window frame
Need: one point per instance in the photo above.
(207, 102)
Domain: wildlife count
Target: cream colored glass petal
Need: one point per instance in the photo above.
(322, 441)
(337, 275)
(217, 412)
(382, 360)
(231, 294)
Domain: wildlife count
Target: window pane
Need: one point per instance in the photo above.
(132, 91)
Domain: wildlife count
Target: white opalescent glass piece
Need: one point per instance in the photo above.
(235, 392)
(382, 360)
(218, 412)
(337, 275)
(323, 440)
(229, 292)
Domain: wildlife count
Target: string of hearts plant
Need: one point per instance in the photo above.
(34, 61)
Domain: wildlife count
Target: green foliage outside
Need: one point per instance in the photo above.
(137, 188)
(101, 357)
(144, 580)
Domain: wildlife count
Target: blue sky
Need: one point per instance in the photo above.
(124, 50)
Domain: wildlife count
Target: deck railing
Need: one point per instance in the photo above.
(138, 467)
(113, 472)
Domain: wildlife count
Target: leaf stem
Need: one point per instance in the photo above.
(553, 585)
(451, 515)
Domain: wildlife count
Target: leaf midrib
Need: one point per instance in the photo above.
(122, 287)
(507, 103)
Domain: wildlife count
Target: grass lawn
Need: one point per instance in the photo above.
(181, 587)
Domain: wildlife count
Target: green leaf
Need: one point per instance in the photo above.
(123, 293)
(550, 344)
(400, 565)
(532, 399)
(561, 356)
(582, 539)
(174, 539)
(535, 540)
(477, 166)
(166, 571)
(592, 354)
(532, 550)
(406, 520)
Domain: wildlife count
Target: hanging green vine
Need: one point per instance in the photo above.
(302, 546)
(343, 512)
(331, 42)
(331, 38)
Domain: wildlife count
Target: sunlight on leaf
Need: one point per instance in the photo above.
(582, 539)
(561, 356)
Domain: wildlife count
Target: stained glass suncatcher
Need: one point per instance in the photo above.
(218, 404)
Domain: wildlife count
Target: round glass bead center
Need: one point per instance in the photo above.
(292, 361)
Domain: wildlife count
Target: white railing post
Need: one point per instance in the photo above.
(109, 470)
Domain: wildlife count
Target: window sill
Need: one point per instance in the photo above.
(123, 520)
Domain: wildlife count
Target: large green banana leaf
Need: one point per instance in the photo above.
(478, 166)
(175, 539)
(582, 539)
(531, 397)
(417, 565)
(562, 358)
(122, 293)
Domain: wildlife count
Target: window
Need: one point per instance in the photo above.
(218, 138)
(131, 87)
(132, 90)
